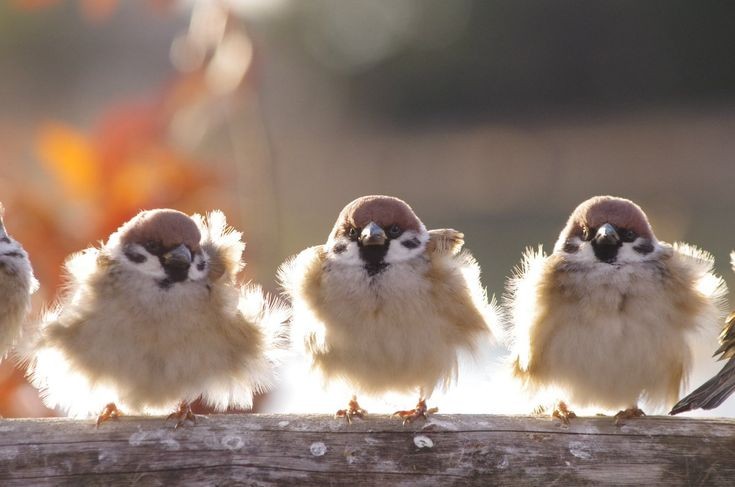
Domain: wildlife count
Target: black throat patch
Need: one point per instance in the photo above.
(373, 256)
(606, 253)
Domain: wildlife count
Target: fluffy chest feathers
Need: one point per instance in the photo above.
(348, 290)
(609, 334)
(384, 332)
(616, 291)
(148, 339)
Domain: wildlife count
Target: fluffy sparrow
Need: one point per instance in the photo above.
(16, 286)
(606, 316)
(386, 304)
(154, 318)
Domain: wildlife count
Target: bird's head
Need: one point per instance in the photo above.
(607, 230)
(13, 258)
(375, 232)
(161, 244)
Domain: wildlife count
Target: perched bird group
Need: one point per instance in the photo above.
(155, 317)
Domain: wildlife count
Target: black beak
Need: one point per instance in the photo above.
(372, 234)
(178, 259)
(607, 236)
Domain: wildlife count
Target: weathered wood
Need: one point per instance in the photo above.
(317, 450)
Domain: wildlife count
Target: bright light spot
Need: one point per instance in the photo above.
(207, 24)
(185, 55)
(258, 8)
(230, 63)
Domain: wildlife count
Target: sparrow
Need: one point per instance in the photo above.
(385, 304)
(17, 284)
(714, 392)
(607, 315)
(154, 318)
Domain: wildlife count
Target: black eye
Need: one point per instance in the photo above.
(627, 235)
(394, 231)
(154, 248)
(134, 256)
(352, 233)
(588, 233)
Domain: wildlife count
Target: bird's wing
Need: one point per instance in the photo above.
(300, 280)
(703, 291)
(711, 290)
(710, 394)
(256, 347)
(727, 339)
(223, 244)
(445, 240)
(714, 392)
(459, 295)
(524, 308)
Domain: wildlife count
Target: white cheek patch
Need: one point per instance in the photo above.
(628, 255)
(14, 257)
(10, 248)
(199, 266)
(344, 252)
(397, 252)
(150, 267)
(584, 254)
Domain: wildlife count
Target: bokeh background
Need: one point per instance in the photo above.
(493, 117)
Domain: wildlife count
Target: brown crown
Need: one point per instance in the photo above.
(597, 211)
(170, 228)
(382, 210)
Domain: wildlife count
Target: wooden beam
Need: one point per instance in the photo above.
(318, 450)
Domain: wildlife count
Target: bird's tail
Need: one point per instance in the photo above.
(710, 394)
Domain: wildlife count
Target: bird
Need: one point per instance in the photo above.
(714, 392)
(153, 319)
(607, 316)
(17, 284)
(386, 305)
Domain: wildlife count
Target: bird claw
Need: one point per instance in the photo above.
(110, 411)
(563, 413)
(182, 414)
(628, 414)
(420, 411)
(353, 410)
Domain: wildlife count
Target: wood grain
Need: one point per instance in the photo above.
(318, 450)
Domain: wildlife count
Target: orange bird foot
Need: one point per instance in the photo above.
(109, 412)
(420, 411)
(353, 410)
(628, 414)
(182, 414)
(563, 413)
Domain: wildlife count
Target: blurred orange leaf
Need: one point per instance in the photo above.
(70, 157)
(33, 4)
(127, 128)
(92, 10)
(97, 10)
